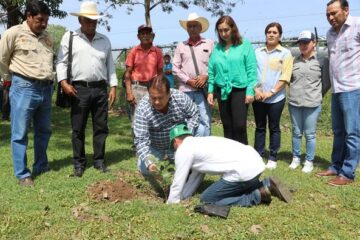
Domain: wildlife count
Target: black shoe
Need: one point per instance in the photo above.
(102, 168)
(279, 190)
(78, 172)
(213, 210)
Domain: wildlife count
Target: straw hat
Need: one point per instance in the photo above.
(195, 17)
(88, 10)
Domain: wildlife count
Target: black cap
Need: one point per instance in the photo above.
(144, 26)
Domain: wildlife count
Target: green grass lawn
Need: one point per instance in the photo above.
(58, 207)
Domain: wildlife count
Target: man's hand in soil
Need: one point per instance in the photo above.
(153, 168)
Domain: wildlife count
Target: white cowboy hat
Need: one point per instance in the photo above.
(194, 17)
(88, 10)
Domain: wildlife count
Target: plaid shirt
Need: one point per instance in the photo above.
(152, 128)
(344, 52)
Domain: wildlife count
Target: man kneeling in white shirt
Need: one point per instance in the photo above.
(239, 165)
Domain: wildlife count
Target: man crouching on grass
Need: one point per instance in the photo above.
(239, 165)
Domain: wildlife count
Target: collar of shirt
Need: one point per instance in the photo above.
(277, 48)
(349, 21)
(82, 35)
(26, 27)
(139, 48)
(189, 42)
(300, 57)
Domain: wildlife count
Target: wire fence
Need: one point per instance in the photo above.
(121, 53)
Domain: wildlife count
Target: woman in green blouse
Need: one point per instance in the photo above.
(232, 78)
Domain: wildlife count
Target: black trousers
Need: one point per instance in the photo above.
(233, 114)
(268, 113)
(5, 103)
(92, 101)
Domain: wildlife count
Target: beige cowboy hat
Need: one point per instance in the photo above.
(88, 10)
(195, 17)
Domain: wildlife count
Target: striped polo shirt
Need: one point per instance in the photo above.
(273, 66)
(344, 53)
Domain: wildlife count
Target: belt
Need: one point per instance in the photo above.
(42, 83)
(140, 83)
(96, 84)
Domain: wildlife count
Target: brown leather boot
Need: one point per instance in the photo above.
(279, 190)
(265, 195)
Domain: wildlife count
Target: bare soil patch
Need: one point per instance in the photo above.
(126, 187)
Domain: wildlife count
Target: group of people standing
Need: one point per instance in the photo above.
(230, 72)
(85, 70)
(237, 75)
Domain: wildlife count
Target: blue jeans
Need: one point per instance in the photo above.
(204, 128)
(304, 120)
(345, 112)
(30, 102)
(264, 112)
(225, 193)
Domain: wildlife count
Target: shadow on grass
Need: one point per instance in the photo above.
(112, 157)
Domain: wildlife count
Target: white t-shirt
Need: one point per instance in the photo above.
(234, 161)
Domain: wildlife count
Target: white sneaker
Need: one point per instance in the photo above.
(295, 163)
(271, 164)
(308, 167)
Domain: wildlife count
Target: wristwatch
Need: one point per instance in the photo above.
(273, 91)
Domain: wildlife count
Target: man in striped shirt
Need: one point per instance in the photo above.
(343, 40)
(156, 114)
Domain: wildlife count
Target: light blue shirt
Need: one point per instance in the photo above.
(169, 77)
(273, 66)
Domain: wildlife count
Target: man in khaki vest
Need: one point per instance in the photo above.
(26, 58)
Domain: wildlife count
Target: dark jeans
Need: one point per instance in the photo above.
(95, 101)
(225, 193)
(264, 112)
(233, 113)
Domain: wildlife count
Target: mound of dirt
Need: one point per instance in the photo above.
(126, 187)
(113, 191)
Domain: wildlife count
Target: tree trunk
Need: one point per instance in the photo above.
(147, 13)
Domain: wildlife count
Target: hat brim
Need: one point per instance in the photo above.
(145, 28)
(304, 40)
(90, 16)
(203, 21)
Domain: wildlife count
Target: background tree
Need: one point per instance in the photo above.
(216, 7)
(56, 32)
(12, 11)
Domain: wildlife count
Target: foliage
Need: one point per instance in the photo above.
(12, 11)
(165, 170)
(56, 32)
(216, 7)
